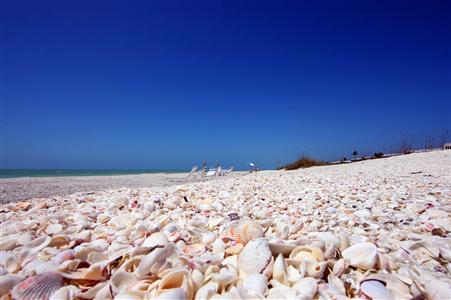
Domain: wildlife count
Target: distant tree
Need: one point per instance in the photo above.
(378, 155)
(354, 154)
(345, 159)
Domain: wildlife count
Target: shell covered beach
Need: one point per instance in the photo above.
(377, 229)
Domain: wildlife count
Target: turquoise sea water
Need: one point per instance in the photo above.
(14, 173)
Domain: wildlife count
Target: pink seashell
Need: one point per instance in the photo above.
(39, 287)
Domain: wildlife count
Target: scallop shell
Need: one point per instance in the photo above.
(255, 258)
(39, 287)
(242, 231)
(362, 255)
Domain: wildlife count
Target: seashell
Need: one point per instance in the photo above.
(279, 293)
(56, 241)
(172, 294)
(24, 239)
(54, 229)
(9, 261)
(8, 243)
(7, 282)
(234, 250)
(255, 258)
(68, 292)
(279, 271)
(63, 256)
(121, 281)
(207, 291)
(38, 287)
(339, 267)
(157, 239)
(242, 231)
(311, 258)
(103, 218)
(38, 243)
(223, 278)
(94, 272)
(198, 279)
(100, 244)
(3, 271)
(281, 247)
(131, 295)
(177, 279)
(375, 289)
(306, 288)
(257, 283)
(218, 247)
(362, 255)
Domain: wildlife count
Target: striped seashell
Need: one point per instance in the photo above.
(243, 231)
(39, 287)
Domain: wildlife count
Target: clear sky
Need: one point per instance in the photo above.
(165, 84)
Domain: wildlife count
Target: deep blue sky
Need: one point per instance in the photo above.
(165, 84)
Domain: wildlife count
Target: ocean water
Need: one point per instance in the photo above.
(15, 173)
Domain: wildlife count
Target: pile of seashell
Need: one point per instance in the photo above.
(296, 235)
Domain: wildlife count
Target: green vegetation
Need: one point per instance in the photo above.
(304, 162)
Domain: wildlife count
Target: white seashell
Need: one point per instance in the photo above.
(172, 294)
(177, 279)
(149, 262)
(63, 256)
(121, 281)
(362, 255)
(54, 229)
(281, 247)
(207, 291)
(218, 247)
(279, 271)
(8, 243)
(257, 283)
(255, 258)
(198, 279)
(375, 289)
(8, 282)
(131, 295)
(157, 239)
(306, 287)
(68, 292)
(9, 261)
(24, 239)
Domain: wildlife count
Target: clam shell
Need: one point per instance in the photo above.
(362, 255)
(39, 287)
(121, 281)
(255, 258)
(375, 289)
(148, 263)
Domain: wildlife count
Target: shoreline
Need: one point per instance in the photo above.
(26, 188)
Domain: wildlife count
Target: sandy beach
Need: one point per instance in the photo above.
(377, 229)
(16, 189)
